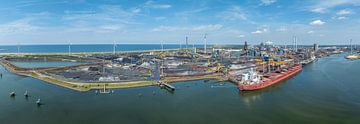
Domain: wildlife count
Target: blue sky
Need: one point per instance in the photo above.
(152, 22)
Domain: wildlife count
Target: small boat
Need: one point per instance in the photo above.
(12, 94)
(26, 94)
(38, 102)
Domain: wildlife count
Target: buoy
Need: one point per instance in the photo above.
(139, 94)
(12, 94)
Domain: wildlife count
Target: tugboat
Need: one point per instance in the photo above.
(254, 81)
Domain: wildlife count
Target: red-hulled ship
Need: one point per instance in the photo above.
(254, 81)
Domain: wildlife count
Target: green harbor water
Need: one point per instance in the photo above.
(325, 92)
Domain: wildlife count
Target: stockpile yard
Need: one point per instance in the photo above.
(103, 74)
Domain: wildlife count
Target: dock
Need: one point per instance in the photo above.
(104, 91)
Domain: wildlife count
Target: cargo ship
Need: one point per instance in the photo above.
(254, 81)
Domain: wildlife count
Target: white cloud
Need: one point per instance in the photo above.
(341, 18)
(241, 36)
(257, 32)
(323, 6)
(282, 29)
(135, 10)
(152, 4)
(189, 14)
(29, 3)
(260, 31)
(265, 30)
(109, 28)
(168, 28)
(160, 18)
(105, 15)
(318, 10)
(192, 28)
(267, 2)
(101, 29)
(208, 27)
(344, 12)
(310, 32)
(233, 13)
(18, 26)
(317, 22)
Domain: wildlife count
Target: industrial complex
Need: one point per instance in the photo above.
(250, 67)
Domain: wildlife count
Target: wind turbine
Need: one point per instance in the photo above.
(351, 49)
(69, 48)
(114, 47)
(18, 48)
(162, 46)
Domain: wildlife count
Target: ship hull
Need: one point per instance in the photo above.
(266, 82)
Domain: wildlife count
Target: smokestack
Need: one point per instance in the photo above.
(245, 46)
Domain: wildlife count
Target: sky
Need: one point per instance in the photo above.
(170, 21)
